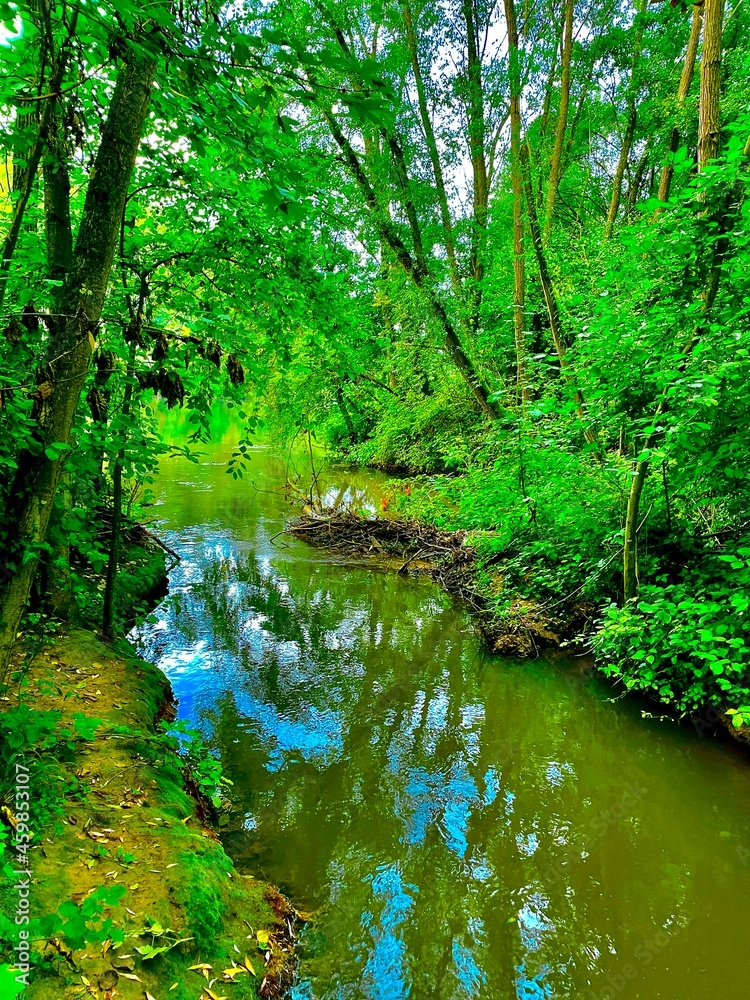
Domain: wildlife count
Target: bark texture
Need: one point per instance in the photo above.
(686, 79)
(30, 506)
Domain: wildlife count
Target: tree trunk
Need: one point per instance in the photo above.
(562, 119)
(27, 177)
(550, 299)
(110, 588)
(59, 239)
(475, 114)
(627, 141)
(635, 185)
(429, 132)
(420, 278)
(30, 506)
(708, 148)
(709, 127)
(519, 259)
(686, 78)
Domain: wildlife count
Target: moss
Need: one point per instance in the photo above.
(119, 813)
(201, 894)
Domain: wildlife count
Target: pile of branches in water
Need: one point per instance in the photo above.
(421, 548)
(446, 556)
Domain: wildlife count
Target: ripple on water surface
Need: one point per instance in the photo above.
(465, 826)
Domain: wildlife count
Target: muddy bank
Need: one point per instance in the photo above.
(131, 892)
(447, 557)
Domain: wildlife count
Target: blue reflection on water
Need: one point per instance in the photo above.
(470, 976)
(385, 971)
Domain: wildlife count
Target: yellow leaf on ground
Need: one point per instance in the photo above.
(235, 971)
(214, 996)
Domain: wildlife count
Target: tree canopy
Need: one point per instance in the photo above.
(504, 248)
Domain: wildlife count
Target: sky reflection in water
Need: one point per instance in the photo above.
(466, 827)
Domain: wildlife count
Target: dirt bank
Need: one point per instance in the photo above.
(448, 557)
(123, 866)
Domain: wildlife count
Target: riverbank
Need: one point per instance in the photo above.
(131, 893)
(525, 627)
(452, 560)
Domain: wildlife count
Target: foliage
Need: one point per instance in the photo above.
(321, 231)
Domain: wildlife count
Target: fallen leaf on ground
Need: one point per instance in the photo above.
(229, 974)
(108, 979)
(214, 996)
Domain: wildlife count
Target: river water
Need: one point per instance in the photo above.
(462, 825)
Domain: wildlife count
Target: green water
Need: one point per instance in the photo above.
(465, 826)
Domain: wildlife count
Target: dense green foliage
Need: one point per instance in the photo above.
(438, 251)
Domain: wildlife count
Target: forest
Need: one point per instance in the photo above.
(494, 256)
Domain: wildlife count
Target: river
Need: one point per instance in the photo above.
(463, 825)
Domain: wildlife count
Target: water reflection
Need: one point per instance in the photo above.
(465, 827)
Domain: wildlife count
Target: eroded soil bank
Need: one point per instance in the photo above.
(121, 854)
(449, 558)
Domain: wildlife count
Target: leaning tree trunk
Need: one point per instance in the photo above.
(391, 238)
(519, 259)
(432, 148)
(686, 78)
(708, 148)
(30, 505)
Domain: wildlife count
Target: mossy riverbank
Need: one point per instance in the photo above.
(122, 863)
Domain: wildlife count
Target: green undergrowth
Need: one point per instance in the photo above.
(547, 521)
(141, 574)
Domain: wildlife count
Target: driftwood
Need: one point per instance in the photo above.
(134, 533)
(412, 547)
